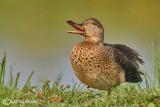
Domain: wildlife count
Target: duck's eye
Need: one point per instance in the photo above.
(94, 23)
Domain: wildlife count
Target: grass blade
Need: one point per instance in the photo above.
(11, 77)
(16, 81)
(3, 66)
(25, 86)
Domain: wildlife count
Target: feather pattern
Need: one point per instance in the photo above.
(127, 58)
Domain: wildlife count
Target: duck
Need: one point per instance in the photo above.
(100, 65)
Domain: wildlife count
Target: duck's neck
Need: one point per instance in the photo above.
(95, 39)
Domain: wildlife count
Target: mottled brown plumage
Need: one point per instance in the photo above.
(100, 65)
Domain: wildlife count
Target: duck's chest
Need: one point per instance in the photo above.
(87, 58)
(94, 66)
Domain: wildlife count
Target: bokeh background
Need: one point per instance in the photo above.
(34, 32)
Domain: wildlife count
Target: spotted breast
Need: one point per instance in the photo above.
(95, 67)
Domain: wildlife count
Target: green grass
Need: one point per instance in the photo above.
(54, 94)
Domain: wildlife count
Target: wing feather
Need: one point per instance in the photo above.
(128, 63)
(128, 52)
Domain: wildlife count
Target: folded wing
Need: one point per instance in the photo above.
(127, 59)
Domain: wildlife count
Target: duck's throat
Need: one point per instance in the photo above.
(95, 39)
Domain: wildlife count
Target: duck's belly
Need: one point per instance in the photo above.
(95, 68)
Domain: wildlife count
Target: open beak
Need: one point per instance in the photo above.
(78, 27)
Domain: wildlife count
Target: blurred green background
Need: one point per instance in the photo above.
(34, 32)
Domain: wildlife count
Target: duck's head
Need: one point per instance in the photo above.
(91, 29)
